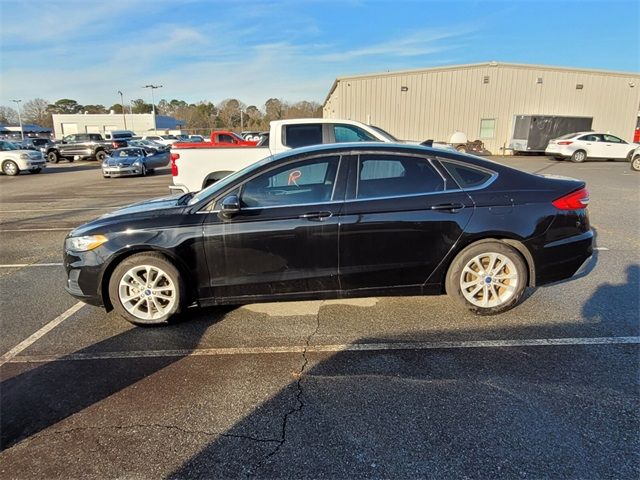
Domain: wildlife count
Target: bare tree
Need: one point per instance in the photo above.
(8, 115)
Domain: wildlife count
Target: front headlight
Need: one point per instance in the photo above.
(84, 244)
(137, 163)
(24, 156)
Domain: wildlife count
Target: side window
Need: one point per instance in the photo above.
(69, 138)
(307, 181)
(350, 133)
(224, 138)
(392, 175)
(466, 176)
(591, 138)
(302, 135)
(488, 128)
(612, 139)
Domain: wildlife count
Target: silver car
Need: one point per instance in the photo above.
(132, 161)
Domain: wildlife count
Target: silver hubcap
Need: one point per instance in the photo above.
(147, 292)
(489, 280)
(580, 156)
(10, 168)
(636, 164)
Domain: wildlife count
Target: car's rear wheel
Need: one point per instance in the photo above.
(579, 156)
(488, 278)
(146, 289)
(9, 167)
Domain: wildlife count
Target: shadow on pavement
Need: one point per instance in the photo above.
(36, 399)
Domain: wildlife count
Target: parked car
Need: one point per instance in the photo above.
(582, 146)
(148, 146)
(118, 134)
(83, 146)
(219, 138)
(342, 220)
(635, 160)
(36, 143)
(163, 139)
(132, 161)
(196, 138)
(14, 159)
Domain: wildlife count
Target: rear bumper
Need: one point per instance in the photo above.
(561, 259)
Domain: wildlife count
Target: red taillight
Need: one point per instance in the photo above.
(174, 167)
(573, 201)
(566, 142)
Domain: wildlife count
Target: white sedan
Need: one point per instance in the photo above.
(13, 159)
(581, 146)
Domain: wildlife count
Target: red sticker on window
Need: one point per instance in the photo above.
(293, 177)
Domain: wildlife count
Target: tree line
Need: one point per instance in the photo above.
(202, 116)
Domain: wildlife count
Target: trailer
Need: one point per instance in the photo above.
(531, 133)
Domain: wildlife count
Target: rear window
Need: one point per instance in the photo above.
(302, 135)
(465, 176)
(568, 135)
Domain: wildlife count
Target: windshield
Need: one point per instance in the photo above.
(125, 153)
(8, 146)
(385, 133)
(222, 184)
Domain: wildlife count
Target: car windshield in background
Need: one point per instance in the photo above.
(169, 137)
(385, 133)
(126, 153)
(8, 146)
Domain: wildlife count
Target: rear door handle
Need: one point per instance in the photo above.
(448, 206)
(316, 216)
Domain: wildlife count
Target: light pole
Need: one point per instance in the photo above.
(124, 117)
(17, 102)
(153, 104)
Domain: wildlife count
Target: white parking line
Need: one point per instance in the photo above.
(603, 249)
(348, 347)
(65, 229)
(23, 265)
(40, 333)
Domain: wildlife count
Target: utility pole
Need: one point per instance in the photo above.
(124, 117)
(17, 102)
(153, 104)
(241, 121)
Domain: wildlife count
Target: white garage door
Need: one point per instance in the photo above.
(69, 128)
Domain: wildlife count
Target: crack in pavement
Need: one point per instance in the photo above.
(299, 403)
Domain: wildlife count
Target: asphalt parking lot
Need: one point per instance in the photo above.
(375, 387)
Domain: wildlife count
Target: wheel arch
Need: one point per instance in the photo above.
(214, 177)
(512, 242)
(118, 258)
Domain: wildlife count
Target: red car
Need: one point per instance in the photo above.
(220, 138)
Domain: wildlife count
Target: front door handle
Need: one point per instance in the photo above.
(448, 206)
(316, 216)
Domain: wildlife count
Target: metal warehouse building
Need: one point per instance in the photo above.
(483, 100)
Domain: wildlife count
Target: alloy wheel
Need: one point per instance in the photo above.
(489, 280)
(147, 292)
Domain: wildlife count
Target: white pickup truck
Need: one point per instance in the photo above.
(194, 167)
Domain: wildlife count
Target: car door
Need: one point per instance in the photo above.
(592, 144)
(284, 239)
(615, 147)
(400, 218)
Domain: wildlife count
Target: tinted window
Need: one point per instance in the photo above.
(302, 135)
(466, 177)
(224, 138)
(591, 138)
(95, 137)
(39, 141)
(308, 181)
(612, 139)
(390, 175)
(349, 133)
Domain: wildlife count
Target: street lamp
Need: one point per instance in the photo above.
(123, 113)
(153, 104)
(17, 102)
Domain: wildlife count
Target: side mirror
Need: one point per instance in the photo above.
(230, 206)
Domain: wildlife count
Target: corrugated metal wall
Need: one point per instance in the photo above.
(438, 102)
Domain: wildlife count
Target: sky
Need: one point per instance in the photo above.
(254, 50)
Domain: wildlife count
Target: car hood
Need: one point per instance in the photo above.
(124, 161)
(136, 211)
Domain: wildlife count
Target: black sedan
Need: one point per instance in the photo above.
(344, 220)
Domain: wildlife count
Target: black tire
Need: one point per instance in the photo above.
(579, 156)
(9, 167)
(101, 155)
(152, 259)
(456, 271)
(35, 170)
(70, 159)
(635, 164)
(630, 155)
(151, 171)
(143, 170)
(53, 156)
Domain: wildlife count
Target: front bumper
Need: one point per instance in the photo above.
(35, 164)
(122, 171)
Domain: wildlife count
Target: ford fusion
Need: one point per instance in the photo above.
(337, 221)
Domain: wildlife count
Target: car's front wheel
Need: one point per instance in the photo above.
(488, 278)
(53, 156)
(635, 164)
(9, 167)
(146, 289)
(101, 155)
